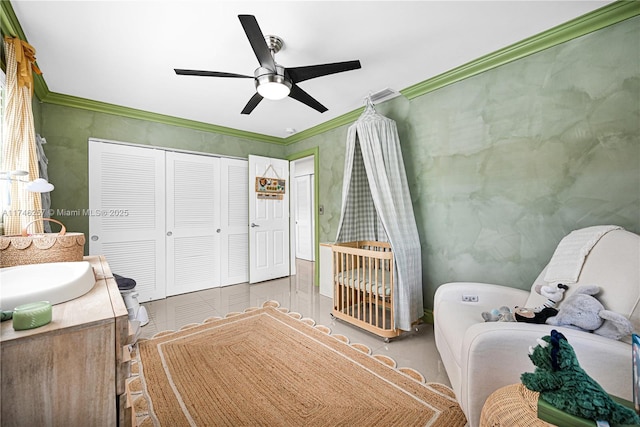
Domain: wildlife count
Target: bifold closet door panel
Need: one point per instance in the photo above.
(234, 213)
(193, 222)
(127, 213)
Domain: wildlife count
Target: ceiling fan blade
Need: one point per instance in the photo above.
(302, 96)
(300, 74)
(253, 103)
(258, 43)
(182, 72)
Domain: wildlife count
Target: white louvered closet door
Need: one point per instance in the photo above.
(193, 222)
(126, 213)
(234, 213)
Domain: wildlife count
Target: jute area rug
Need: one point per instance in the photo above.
(270, 367)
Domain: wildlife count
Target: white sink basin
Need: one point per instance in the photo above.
(55, 282)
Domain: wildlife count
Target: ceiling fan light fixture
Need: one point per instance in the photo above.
(273, 86)
(273, 81)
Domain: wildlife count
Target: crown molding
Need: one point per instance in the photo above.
(593, 21)
(342, 120)
(8, 21)
(118, 110)
(10, 26)
(608, 15)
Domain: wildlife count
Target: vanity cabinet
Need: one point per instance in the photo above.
(72, 371)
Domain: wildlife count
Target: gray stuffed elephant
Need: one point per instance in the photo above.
(583, 311)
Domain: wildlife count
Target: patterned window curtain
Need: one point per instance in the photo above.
(19, 140)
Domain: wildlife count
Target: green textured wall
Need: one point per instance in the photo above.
(504, 164)
(68, 130)
(331, 164)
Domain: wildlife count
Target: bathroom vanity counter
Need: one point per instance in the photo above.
(71, 371)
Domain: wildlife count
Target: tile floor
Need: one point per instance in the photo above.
(415, 349)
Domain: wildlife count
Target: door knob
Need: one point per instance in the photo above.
(218, 230)
(94, 238)
(169, 233)
(254, 225)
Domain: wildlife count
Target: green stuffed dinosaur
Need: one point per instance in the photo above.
(565, 385)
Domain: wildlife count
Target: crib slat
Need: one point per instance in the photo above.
(371, 277)
(345, 282)
(356, 302)
(341, 282)
(355, 285)
(390, 299)
(337, 291)
(377, 305)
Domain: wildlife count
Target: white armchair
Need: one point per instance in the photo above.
(481, 357)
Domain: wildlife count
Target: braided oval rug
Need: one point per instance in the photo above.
(270, 367)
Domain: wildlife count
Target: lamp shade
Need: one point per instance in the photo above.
(273, 90)
(272, 85)
(39, 185)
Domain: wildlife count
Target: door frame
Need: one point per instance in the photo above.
(315, 152)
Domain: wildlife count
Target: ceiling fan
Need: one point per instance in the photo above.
(272, 80)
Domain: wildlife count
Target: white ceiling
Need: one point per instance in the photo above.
(124, 52)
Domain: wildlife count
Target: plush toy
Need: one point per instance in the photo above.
(583, 311)
(615, 325)
(553, 293)
(530, 315)
(502, 314)
(565, 385)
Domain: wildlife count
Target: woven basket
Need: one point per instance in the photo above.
(41, 248)
(512, 405)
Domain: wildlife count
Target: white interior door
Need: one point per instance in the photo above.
(268, 222)
(304, 217)
(126, 213)
(234, 218)
(193, 222)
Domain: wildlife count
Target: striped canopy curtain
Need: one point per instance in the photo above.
(376, 205)
(19, 140)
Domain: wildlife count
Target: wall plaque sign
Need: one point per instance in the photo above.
(270, 188)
